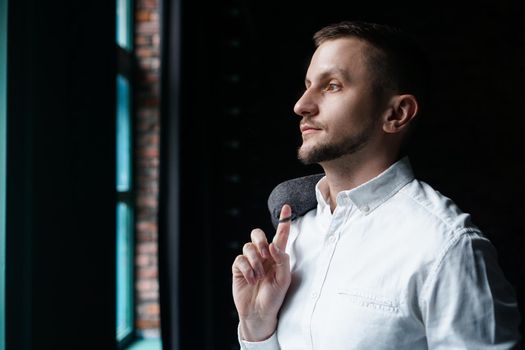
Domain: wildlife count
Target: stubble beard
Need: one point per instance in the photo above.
(323, 152)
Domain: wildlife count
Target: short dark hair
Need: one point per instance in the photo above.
(398, 64)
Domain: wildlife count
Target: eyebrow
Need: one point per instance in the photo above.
(332, 71)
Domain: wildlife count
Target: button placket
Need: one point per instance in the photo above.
(338, 219)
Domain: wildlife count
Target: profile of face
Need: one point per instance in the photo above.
(340, 112)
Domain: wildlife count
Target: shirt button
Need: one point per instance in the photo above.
(365, 208)
(331, 239)
(314, 295)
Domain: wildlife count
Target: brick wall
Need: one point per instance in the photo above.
(147, 49)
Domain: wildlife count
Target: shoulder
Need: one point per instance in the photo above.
(430, 207)
(429, 223)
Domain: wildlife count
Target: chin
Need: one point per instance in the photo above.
(309, 155)
(305, 151)
(303, 155)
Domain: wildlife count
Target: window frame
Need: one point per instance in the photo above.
(124, 47)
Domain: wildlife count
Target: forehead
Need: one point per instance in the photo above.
(340, 55)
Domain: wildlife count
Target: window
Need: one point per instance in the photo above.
(124, 176)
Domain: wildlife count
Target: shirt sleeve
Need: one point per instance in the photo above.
(466, 302)
(268, 344)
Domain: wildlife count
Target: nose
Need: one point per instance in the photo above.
(306, 106)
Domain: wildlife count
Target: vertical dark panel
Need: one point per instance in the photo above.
(169, 182)
(3, 144)
(19, 196)
(61, 182)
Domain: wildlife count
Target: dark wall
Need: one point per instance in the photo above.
(242, 69)
(60, 175)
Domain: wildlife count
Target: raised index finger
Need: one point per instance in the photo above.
(283, 229)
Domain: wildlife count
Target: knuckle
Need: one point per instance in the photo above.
(242, 264)
(261, 245)
(258, 236)
(247, 247)
(237, 261)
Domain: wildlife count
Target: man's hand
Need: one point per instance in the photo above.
(261, 277)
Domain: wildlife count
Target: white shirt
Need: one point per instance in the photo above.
(396, 266)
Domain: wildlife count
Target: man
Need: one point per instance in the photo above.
(381, 261)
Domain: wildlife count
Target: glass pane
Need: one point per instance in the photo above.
(124, 271)
(123, 135)
(3, 134)
(123, 29)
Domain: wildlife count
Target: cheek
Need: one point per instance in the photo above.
(343, 112)
(359, 112)
(343, 117)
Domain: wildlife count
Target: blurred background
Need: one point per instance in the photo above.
(140, 139)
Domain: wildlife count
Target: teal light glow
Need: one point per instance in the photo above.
(124, 271)
(123, 135)
(124, 18)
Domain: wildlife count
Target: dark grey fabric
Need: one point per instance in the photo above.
(299, 193)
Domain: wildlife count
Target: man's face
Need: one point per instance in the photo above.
(340, 112)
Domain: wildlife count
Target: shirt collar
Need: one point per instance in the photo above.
(371, 194)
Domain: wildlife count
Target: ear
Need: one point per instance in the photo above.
(402, 110)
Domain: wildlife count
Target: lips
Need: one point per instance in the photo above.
(308, 128)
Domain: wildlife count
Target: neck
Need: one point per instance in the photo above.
(352, 170)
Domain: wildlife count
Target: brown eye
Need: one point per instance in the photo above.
(333, 87)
